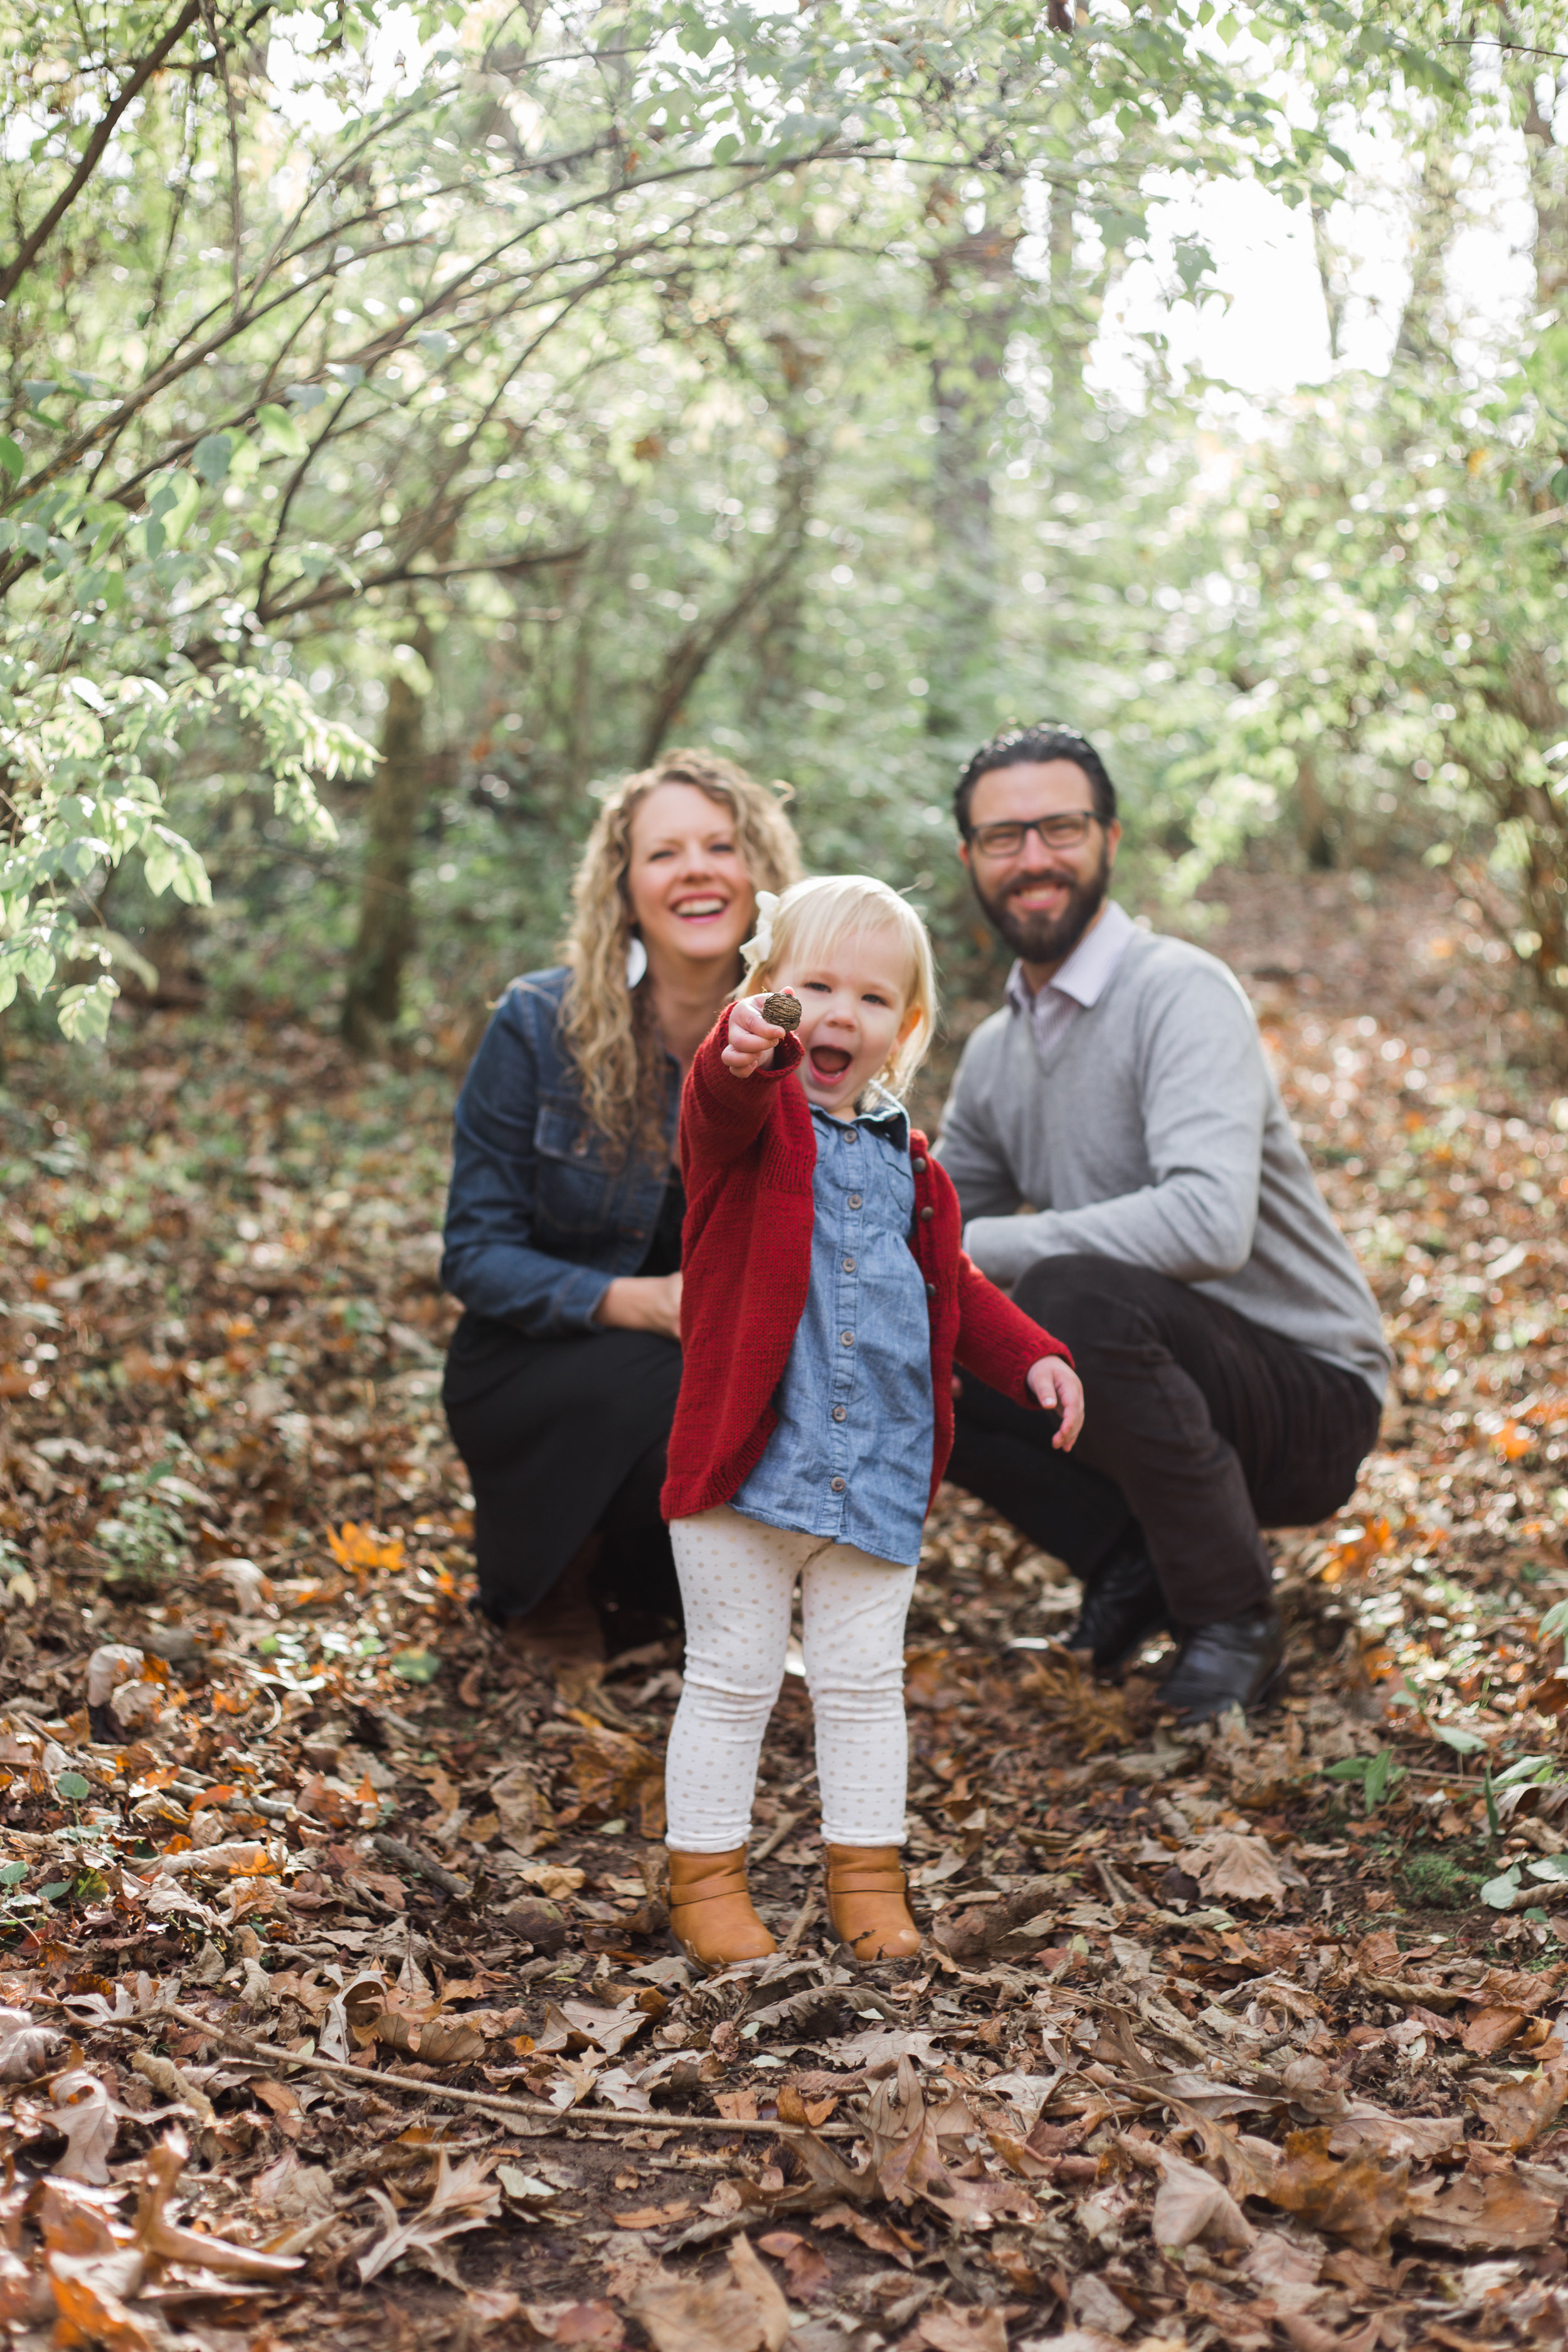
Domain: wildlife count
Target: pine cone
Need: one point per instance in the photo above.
(783, 1012)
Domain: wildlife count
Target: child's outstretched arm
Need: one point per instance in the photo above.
(719, 1114)
(1054, 1384)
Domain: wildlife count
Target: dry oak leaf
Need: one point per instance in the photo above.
(1491, 2028)
(1192, 2203)
(85, 2113)
(1516, 2113)
(1358, 2198)
(804, 2267)
(577, 2322)
(1497, 2215)
(464, 2198)
(956, 2327)
(165, 2241)
(89, 2292)
(25, 2049)
(744, 2313)
(1371, 2132)
(1236, 1865)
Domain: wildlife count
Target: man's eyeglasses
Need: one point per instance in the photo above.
(1069, 830)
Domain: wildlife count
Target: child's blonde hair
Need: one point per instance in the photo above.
(810, 916)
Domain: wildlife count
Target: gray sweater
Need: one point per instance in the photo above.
(1153, 1132)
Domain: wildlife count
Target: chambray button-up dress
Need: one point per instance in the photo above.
(850, 1458)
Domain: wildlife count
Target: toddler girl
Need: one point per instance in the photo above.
(824, 1298)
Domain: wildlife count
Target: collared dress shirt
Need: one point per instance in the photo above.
(850, 1458)
(1079, 982)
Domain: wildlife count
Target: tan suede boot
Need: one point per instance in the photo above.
(868, 1901)
(711, 1915)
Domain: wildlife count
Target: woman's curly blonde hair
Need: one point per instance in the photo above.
(608, 1025)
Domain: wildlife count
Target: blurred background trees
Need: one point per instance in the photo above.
(416, 417)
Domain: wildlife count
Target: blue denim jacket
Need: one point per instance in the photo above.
(850, 1458)
(540, 1217)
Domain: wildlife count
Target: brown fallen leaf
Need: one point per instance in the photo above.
(958, 2328)
(1191, 2203)
(577, 2322)
(1358, 2198)
(653, 2217)
(1491, 2028)
(164, 2241)
(793, 2107)
(91, 2311)
(1422, 2137)
(804, 2267)
(85, 2113)
(1236, 1865)
(899, 2246)
(1516, 2113)
(1309, 2336)
(464, 2198)
(1497, 2215)
(744, 2313)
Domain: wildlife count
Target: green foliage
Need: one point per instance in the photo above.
(683, 371)
(1376, 1776)
(146, 1537)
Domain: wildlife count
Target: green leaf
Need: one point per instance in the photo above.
(12, 1873)
(1537, 1769)
(1452, 1735)
(211, 456)
(55, 1889)
(11, 457)
(416, 1666)
(1499, 1893)
(1550, 1865)
(1381, 1774)
(1555, 1620)
(73, 1787)
(282, 430)
(1349, 1767)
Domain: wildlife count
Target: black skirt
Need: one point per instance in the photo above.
(561, 1437)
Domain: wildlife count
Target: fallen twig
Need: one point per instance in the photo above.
(424, 1865)
(487, 2102)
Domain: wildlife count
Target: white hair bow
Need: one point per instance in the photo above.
(760, 946)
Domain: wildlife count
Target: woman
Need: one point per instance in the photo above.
(564, 1220)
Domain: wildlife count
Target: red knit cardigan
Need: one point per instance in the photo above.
(747, 1151)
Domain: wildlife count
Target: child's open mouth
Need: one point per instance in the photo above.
(828, 1062)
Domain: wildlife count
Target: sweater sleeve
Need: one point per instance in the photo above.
(1203, 1093)
(968, 1146)
(721, 1113)
(996, 1340)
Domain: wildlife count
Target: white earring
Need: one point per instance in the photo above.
(636, 960)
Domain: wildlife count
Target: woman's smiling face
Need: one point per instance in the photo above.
(855, 1010)
(692, 897)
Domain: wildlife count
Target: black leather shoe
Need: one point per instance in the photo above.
(1233, 1663)
(1123, 1607)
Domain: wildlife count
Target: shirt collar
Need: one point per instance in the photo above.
(1086, 974)
(884, 1112)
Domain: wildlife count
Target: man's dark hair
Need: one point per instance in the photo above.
(1017, 746)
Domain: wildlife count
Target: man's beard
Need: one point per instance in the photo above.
(1035, 938)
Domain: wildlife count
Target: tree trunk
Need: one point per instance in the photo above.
(972, 325)
(374, 997)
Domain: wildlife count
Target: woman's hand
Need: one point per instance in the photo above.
(751, 1037)
(1055, 1385)
(642, 1302)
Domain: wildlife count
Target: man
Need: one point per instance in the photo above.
(1126, 1168)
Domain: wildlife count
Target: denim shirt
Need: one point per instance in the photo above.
(540, 1217)
(850, 1458)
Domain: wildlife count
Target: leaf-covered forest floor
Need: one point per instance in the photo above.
(1252, 2038)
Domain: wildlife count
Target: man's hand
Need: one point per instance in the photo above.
(642, 1302)
(1055, 1385)
(751, 1038)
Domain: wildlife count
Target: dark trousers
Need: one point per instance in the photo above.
(1199, 1426)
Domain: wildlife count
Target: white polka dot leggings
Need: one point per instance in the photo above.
(737, 1578)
